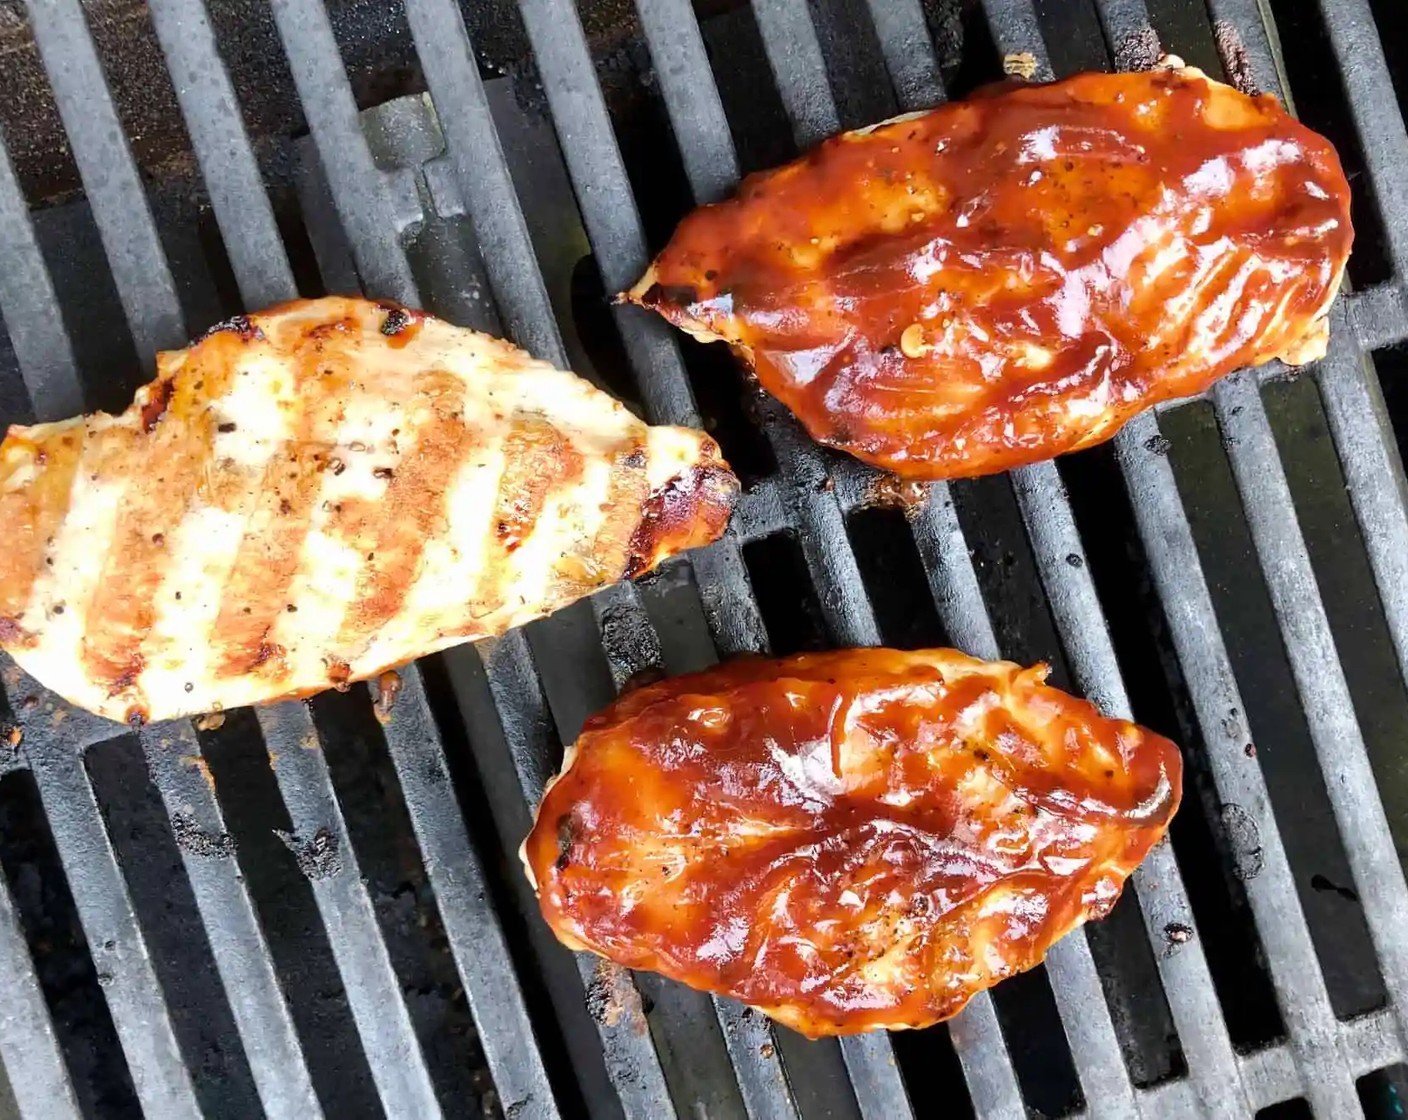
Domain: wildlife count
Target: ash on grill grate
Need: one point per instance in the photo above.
(363, 974)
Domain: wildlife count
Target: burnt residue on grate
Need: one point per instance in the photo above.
(1139, 50)
(613, 1000)
(283, 898)
(380, 831)
(149, 846)
(317, 856)
(196, 841)
(1234, 56)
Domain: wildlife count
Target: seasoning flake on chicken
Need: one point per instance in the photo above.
(846, 841)
(1004, 279)
(308, 496)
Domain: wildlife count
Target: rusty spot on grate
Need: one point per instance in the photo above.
(613, 999)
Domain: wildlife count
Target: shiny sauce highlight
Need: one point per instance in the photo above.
(1004, 279)
(846, 841)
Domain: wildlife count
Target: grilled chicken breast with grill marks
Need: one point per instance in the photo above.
(1005, 279)
(310, 495)
(847, 841)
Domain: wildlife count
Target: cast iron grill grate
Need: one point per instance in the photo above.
(483, 209)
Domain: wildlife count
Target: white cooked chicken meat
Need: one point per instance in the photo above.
(311, 495)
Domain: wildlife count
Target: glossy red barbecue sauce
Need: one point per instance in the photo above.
(847, 840)
(1007, 278)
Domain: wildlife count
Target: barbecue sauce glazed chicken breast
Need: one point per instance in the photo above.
(846, 841)
(998, 281)
(310, 495)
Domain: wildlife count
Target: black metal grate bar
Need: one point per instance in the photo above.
(1016, 32)
(1177, 571)
(119, 951)
(1158, 883)
(1070, 966)
(953, 582)
(748, 1038)
(909, 54)
(475, 937)
(1241, 31)
(361, 199)
(222, 146)
(1374, 477)
(1325, 698)
(109, 176)
(320, 842)
(613, 225)
(1073, 971)
(1377, 118)
(262, 270)
(31, 309)
(857, 626)
(798, 69)
(473, 143)
(1075, 984)
(1080, 621)
(614, 229)
(870, 1059)
(634, 1069)
(29, 1048)
(129, 236)
(1128, 30)
(154, 314)
(1370, 464)
(476, 940)
(237, 943)
(977, 1037)
(1310, 647)
(1379, 315)
(677, 48)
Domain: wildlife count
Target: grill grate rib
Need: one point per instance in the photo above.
(134, 997)
(222, 146)
(110, 178)
(325, 854)
(533, 683)
(31, 309)
(28, 1046)
(241, 954)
